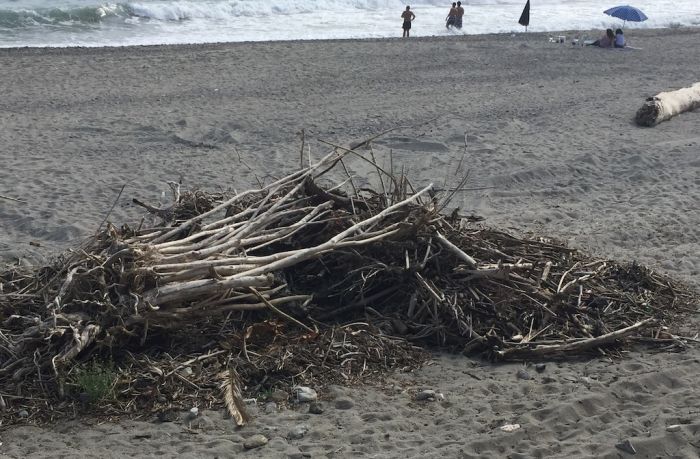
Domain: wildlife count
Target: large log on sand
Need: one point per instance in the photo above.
(666, 105)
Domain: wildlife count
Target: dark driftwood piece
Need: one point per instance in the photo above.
(543, 351)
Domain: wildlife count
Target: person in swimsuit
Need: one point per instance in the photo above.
(407, 16)
(458, 17)
(451, 16)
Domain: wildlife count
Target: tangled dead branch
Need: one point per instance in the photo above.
(296, 280)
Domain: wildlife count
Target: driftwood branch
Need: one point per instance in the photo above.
(570, 347)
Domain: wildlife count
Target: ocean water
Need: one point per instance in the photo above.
(100, 23)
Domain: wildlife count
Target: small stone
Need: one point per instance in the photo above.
(510, 427)
(279, 396)
(522, 374)
(315, 408)
(626, 446)
(255, 441)
(191, 415)
(427, 394)
(270, 407)
(673, 428)
(344, 403)
(23, 413)
(540, 367)
(298, 432)
(305, 394)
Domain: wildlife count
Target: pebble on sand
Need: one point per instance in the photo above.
(255, 441)
(510, 427)
(427, 394)
(522, 374)
(344, 403)
(305, 394)
(298, 432)
(271, 407)
(315, 408)
(626, 446)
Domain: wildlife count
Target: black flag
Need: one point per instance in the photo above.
(525, 17)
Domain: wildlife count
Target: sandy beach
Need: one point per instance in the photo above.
(545, 130)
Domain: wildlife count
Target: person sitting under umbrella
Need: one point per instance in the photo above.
(606, 41)
(619, 39)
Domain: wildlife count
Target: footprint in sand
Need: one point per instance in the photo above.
(412, 144)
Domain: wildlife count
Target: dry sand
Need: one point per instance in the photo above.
(548, 131)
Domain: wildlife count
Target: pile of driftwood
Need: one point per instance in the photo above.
(296, 282)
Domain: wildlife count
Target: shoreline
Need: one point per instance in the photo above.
(478, 37)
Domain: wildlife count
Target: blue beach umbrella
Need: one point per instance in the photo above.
(626, 13)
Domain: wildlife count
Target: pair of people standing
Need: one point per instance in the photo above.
(454, 17)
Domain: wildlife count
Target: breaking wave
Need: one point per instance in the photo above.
(181, 11)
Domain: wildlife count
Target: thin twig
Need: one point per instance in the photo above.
(121, 190)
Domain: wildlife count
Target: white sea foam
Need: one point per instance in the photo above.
(95, 23)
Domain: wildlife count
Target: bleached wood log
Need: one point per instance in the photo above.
(456, 250)
(666, 105)
(187, 290)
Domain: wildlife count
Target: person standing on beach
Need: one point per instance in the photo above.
(451, 16)
(407, 16)
(458, 16)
